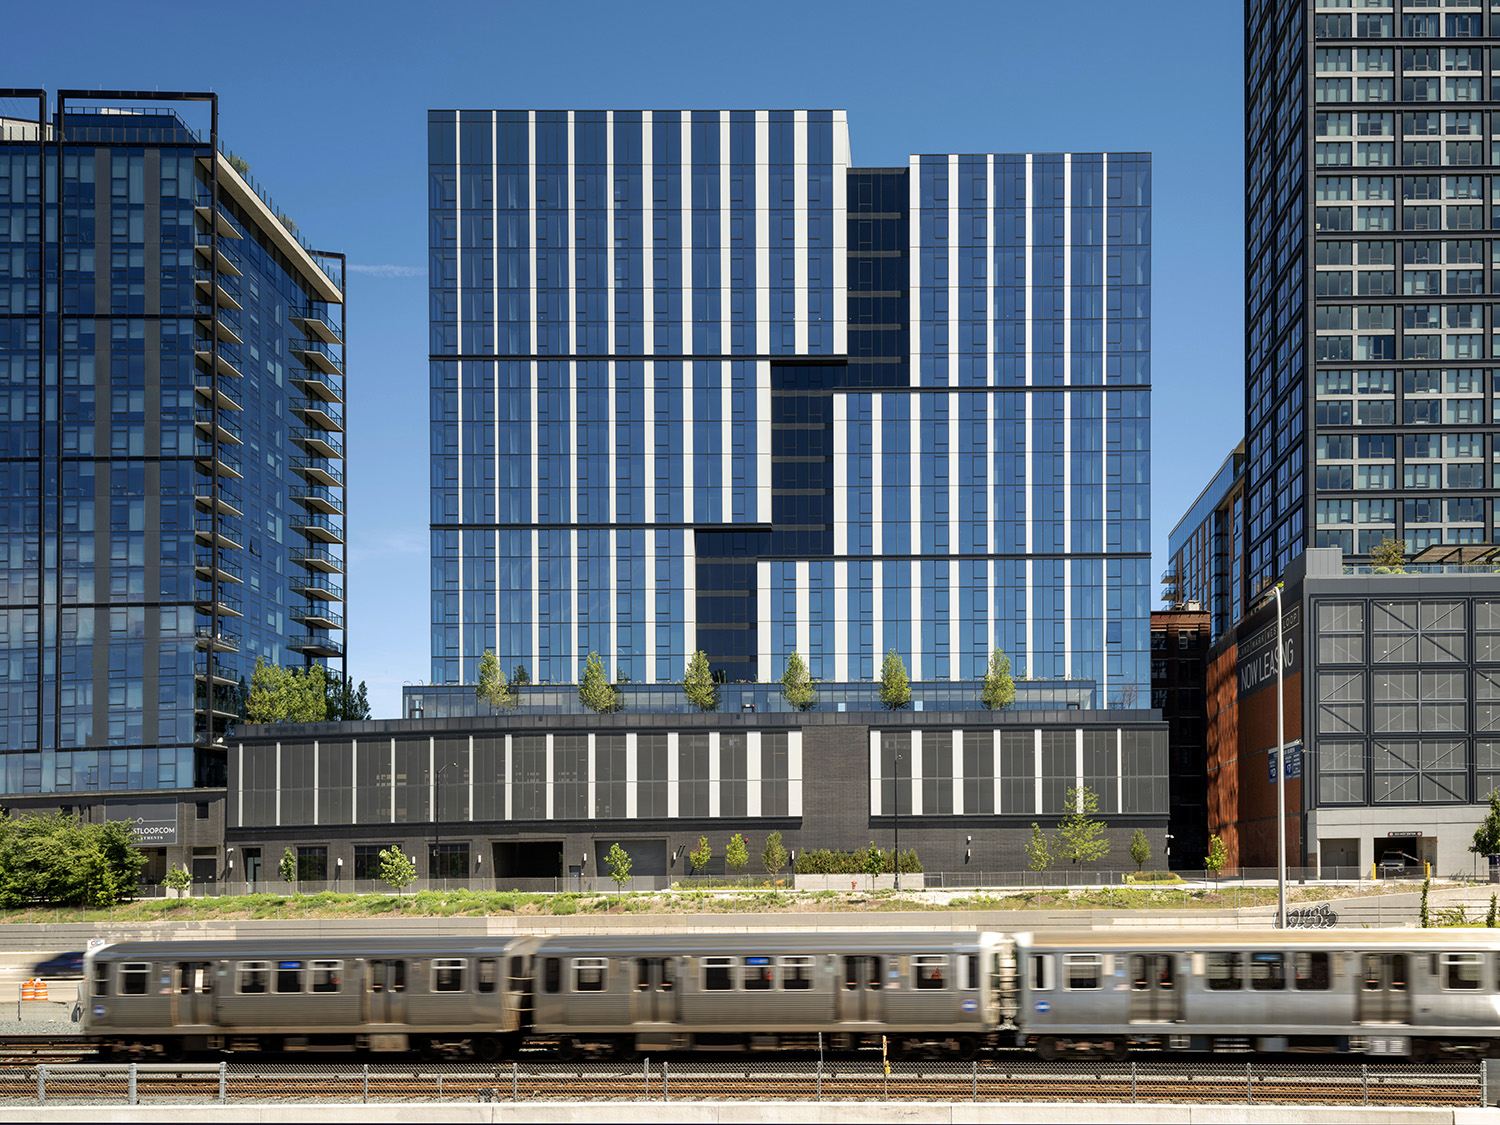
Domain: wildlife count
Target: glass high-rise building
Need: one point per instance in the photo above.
(699, 382)
(172, 366)
(1370, 392)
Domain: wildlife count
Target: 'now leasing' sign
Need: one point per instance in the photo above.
(1258, 658)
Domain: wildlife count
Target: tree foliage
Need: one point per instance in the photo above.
(1218, 856)
(287, 695)
(700, 855)
(493, 688)
(347, 703)
(177, 878)
(999, 687)
(1038, 852)
(1389, 554)
(56, 858)
(737, 854)
(1080, 838)
(774, 855)
(895, 688)
(595, 691)
(1140, 848)
(287, 868)
(1487, 835)
(397, 871)
(519, 675)
(797, 684)
(824, 861)
(619, 863)
(699, 685)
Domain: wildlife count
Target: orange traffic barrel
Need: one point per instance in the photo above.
(39, 990)
(28, 990)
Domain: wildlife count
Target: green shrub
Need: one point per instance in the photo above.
(1154, 877)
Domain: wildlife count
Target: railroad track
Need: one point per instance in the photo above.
(1451, 1085)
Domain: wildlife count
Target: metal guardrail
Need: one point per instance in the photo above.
(804, 1076)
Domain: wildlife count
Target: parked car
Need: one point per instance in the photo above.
(63, 965)
(1399, 863)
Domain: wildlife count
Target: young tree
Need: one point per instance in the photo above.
(797, 685)
(999, 688)
(519, 675)
(700, 855)
(737, 854)
(1424, 916)
(1080, 838)
(1038, 853)
(1140, 849)
(895, 688)
(1389, 554)
(698, 685)
(493, 688)
(1487, 835)
(177, 878)
(397, 871)
(288, 867)
(874, 860)
(1218, 856)
(595, 691)
(774, 855)
(346, 703)
(618, 862)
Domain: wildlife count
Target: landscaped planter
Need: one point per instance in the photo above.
(909, 882)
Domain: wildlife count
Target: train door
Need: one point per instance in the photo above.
(860, 993)
(387, 991)
(655, 990)
(195, 992)
(1154, 995)
(1384, 996)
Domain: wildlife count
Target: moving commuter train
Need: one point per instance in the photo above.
(1091, 993)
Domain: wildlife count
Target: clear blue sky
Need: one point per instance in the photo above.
(328, 102)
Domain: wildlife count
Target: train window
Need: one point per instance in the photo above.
(325, 975)
(448, 974)
(1083, 971)
(484, 976)
(1042, 976)
(929, 971)
(1312, 972)
(589, 973)
(552, 974)
(1223, 972)
(969, 979)
(759, 976)
(1463, 971)
(135, 978)
(101, 978)
(1267, 972)
(288, 976)
(718, 974)
(254, 977)
(796, 973)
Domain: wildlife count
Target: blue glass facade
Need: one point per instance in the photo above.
(699, 384)
(171, 362)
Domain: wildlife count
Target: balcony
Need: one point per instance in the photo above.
(320, 443)
(314, 499)
(315, 384)
(217, 640)
(226, 325)
(230, 361)
(219, 424)
(224, 498)
(219, 392)
(219, 459)
(319, 415)
(316, 586)
(220, 285)
(319, 559)
(226, 702)
(316, 646)
(227, 570)
(317, 617)
(318, 471)
(326, 358)
(223, 263)
(321, 321)
(220, 675)
(221, 532)
(322, 528)
(227, 226)
(226, 602)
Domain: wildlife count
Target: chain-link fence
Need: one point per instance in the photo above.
(784, 1078)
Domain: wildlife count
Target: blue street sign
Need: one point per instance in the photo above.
(1293, 762)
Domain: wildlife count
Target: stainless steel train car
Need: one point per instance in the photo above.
(170, 998)
(629, 993)
(1375, 992)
